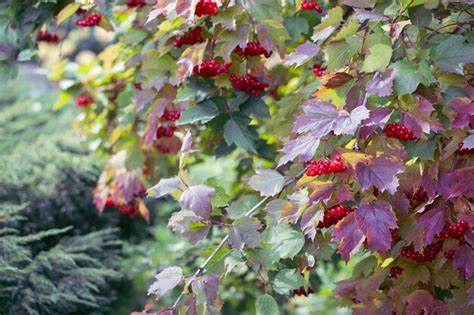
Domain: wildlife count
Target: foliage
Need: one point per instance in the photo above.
(394, 103)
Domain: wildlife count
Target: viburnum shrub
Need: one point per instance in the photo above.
(368, 154)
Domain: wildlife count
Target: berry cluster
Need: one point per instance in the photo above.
(395, 130)
(109, 202)
(429, 252)
(456, 230)
(395, 272)
(247, 83)
(45, 36)
(129, 209)
(165, 131)
(394, 234)
(210, 68)
(420, 194)
(305, 5)
(318, 71)
(253, 48)
(190, 38)
(462, 151)
(90, 20)
(84, 100)
(319, 167)
(333, 215)
(136, 3)
(450, 254)
(171, 115)
(301, 291)
(206, 7)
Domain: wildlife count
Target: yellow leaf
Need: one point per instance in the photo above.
(143, 210)
(387, 262)
(105, 24)
(109, 54)
(327, 94)
(353, 157)
(67, 12)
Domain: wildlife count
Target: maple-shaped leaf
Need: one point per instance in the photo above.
(198, 199)
(456, 183)
(432, 222)
(302, 54)
(209, 284)
(244, 232)
(309, 221)
(375, 221)
(192, 56)
(348, 235)
(165, 187)
(287, 280)
(464, 108)
(130, 183)
(165, 281)
(420, 121)
(266, 305)
(380, 173)
(187, 224)
(286, 242)
(372, 16)
(153, 116)
(400, 202)
(347, 123)
(320, 190)
(162, 7)
(382, 84)
(422, 302)
(464, 261)
(304, 147)
(144, 98)
(452, 53)
(267, 181)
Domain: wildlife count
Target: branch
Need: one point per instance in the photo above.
(221, 244)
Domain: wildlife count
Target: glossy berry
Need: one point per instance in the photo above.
(333, 215)
(90, 20)
(247, 83)
(164, 131)
(190, 38)
(109, 202)
(206, 7)
(456, 230)
(84, 100)
(450, 254)
(395, 130)
(395, 272)
(253, 48)
(136, 3)
(394, 234)
(170, 115)
(463, 151)
(45, 36)
(301, 291)
(318, 71)
(318, 8)
(137, 85)
(211, 68)
(130, 210)
(420, 194)
(326, 166)
(429, 252)
(305, 5)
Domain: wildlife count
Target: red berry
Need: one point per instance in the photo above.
(318, 71)
(301, 291)
(395, 272)
(84, 100)
(109, 202)
(90, 20)
(395, 130)
(138, 85)
(318, 9)
(420, 195)
(170, 115)
(456, 230)
(164, 131)
(210, 68)
(247, 83)
(305, 5)
(136, 3)
(130, 210)
(45, 36)
(320, 167)
(429, 252)
(206, 7)
(463, 151)
(252, 49)
(450, 254)
(190, 38)
(334, 215)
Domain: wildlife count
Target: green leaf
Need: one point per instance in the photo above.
(237, 209)
(341, 52)
(26, 54)
(414, 273)
(333, 17)
(236, 132)
(196, 88)
(286, 241)
(220, 198)
(348, 30)
(134, 36)
(412, 3)
(407, 79)
(453, 53)
(365, 267)
(266, 305)
(422, 149)
(255, 105)
(287, 280)
(378, 58)
(420, 16)
(67, 12)
(296, 26)
(202, 112)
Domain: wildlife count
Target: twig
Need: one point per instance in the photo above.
(221, 244)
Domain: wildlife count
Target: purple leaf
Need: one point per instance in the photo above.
(349, 236)
(432, 223)
(309, 220)
(267, 181)
(347, 123)
(187, 224)
(303, 147)
(457, 183)
(321, 190)
(468, 142)
(420, 121)
(464, 112)
(399, 202)
(372, 16)
(380, 172)
(382, 85)
(375, 221)
(422, 302)
(210, 285)
(244, 231)
(166, 281)
(464, 261)
(378, 117)
(360, 3)
(130, 183)
(302, 54)
(143, 98)
(187, 145)
(198, 199)
(164, 187)
(470, 293)
(152, 119)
